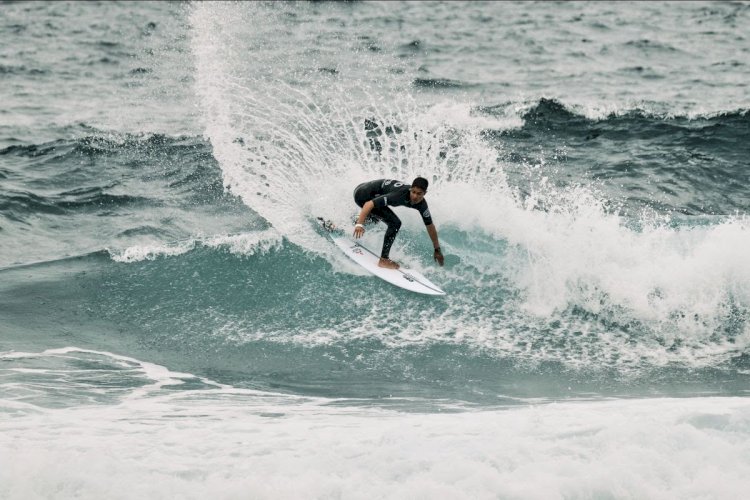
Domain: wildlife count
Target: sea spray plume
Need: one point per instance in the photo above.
(292, 140)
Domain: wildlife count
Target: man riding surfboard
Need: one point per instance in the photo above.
(376, 197)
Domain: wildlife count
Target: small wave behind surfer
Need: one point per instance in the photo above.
(376, 197)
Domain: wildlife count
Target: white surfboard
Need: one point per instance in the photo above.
(404, 278)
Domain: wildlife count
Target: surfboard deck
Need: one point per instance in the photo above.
(404, 278)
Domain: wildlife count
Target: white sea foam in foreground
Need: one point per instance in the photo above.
(160, 441)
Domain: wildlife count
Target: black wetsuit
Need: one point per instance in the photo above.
(386, 193)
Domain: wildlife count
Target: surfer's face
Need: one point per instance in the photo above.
(416, 195)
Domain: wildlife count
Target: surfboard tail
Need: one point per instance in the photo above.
(327, 225)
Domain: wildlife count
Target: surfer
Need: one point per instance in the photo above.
(376, 197)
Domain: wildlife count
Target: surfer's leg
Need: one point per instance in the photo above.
(394, 224)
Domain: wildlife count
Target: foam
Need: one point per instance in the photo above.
(681, 280)
(139, 253)
(245, 244)
(60, 363)
(231, 444)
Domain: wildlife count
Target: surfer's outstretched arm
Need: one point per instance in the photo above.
(432, 231)
(359, 227)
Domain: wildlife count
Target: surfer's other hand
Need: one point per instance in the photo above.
(359, 230)
(439, 256)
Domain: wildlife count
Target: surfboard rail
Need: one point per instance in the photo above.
(407, 279)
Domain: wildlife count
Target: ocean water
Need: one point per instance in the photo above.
(173, 324)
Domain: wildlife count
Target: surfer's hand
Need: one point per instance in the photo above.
(439, 256)
(359, 230)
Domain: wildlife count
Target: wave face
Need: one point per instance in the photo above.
(162, 275)
(102, 190)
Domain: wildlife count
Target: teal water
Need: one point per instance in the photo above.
(170, 311)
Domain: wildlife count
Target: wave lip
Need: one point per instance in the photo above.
(554, 109)
(240, 244)
(441, 83)
(73, 376)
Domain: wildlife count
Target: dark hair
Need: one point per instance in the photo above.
(421, 183)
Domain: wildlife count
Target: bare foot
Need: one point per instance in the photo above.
(387, 263)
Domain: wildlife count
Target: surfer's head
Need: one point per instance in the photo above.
(418, 190)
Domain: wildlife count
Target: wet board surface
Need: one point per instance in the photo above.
(402, 277)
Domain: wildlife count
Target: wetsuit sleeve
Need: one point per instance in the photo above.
(424, 211)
